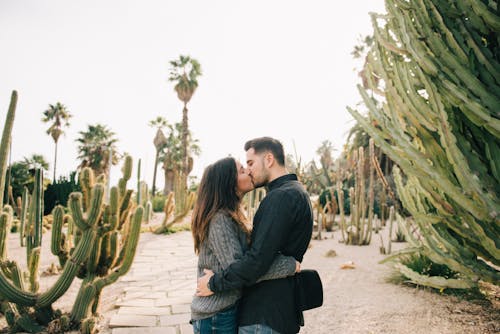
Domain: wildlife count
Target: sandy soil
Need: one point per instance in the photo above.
(358, 300)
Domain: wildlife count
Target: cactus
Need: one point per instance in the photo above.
(343, 227)
(252, 200)
(97, 257)
(5, 143)
(169, 209)
(359, 229)
(438, 61)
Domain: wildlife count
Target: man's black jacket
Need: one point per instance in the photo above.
(282, 224)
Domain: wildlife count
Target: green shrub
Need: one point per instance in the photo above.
(58, 192)
(158, 203)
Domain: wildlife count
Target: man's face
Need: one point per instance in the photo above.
(257, 168)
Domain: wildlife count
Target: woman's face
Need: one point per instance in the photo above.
(244, 184)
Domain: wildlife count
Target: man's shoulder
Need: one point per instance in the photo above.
(289, 188)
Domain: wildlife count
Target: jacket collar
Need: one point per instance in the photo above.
(276, 183)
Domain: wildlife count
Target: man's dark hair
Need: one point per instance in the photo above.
(267, 144)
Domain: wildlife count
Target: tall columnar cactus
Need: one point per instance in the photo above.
(359, 229)
(439, 66)
(106, 237)
(5, 143)
(118, 229)
(252, 200)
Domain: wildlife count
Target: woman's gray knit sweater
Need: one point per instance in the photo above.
(226, 243)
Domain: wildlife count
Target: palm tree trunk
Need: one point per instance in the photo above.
(154, 173)
(181, 192)
(169, 181)
(55, 164)
(184, 139)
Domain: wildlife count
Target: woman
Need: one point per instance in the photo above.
(221, 235)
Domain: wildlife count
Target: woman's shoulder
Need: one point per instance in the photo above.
(222, 219)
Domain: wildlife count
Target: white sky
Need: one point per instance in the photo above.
(278, 68)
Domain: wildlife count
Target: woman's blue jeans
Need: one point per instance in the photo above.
(224, 322)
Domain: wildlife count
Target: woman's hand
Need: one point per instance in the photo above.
(202, 289)
(297, 267)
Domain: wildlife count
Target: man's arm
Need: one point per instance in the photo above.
(267, 240)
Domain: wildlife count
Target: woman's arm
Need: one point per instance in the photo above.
(282, 266)
(223, 240)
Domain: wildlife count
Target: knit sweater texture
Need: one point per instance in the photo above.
(225, 243)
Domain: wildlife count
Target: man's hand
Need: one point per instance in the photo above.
(297, 267)
(202, 289)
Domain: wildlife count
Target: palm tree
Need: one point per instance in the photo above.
(184, 72)
(160, 142)
(171, 155)
(95, 146)
(36, 161)
(22, 173)
(60, 116)
(325, 153)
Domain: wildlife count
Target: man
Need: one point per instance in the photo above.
(282, 224)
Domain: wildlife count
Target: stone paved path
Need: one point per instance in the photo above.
(159, 287)
(154, 297)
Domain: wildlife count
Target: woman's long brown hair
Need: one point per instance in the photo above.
(217, 192)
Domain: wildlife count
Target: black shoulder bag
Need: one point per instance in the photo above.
(309, 290)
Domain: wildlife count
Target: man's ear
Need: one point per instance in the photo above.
(269, 159)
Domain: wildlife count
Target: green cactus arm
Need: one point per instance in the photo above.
(5, 221)
(482, 10)
(434, 281)
(85, 299)
(440, 247)
(114, 250)
(340, 195)
(97, 198)
(449, 64)
(483, 54)
(423, 169)
(114, 200)
(75, 205)
(13, 294)
(148, 212)
(57, 245)
(5, 143)
(127, 168)
(139, 192)
(125, 206)
(37, 199)
(114, 205)
(94, 256)
(24, 216)
(87, 181)
(129, 250)
(70, 270)
(34, 262)
(103, 264)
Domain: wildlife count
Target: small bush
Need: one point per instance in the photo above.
(158, 203)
